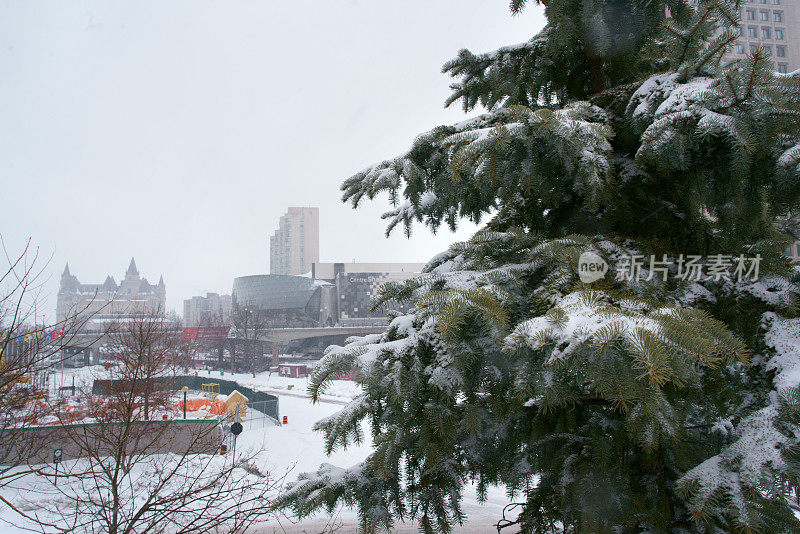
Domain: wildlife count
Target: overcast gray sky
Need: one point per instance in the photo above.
(178, 132)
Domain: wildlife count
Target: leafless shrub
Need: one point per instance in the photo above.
(29, 349)
(128, 470)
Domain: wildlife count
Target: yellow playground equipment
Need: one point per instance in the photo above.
(211, 390)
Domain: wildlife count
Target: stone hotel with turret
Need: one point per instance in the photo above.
(109, 301)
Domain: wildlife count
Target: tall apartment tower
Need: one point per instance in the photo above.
(773, 24)
(212, 310)
(295, 245)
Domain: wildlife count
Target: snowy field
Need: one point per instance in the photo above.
(295, 448)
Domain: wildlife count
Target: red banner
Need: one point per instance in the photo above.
(206, 332)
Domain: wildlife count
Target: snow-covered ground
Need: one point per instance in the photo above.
(295, 448)
(340, 390)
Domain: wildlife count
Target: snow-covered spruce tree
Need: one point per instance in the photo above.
(646, 401)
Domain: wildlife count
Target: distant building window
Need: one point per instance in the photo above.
(739, 48)
(751, 14)
(776, 2)
(779, 34)
(767, 49)
(752, 31)
(783, 68)
(780, 51)
(753, 48)
(764, 15)
(766, 32)
(777, 16)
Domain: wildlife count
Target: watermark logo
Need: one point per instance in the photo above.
(591, 267)
(691, 268)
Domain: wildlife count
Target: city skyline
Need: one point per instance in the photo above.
(142, 132)
(215, 163)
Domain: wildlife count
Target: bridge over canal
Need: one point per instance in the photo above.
(94, 340)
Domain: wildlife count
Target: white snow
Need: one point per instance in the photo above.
(783, 335)
(291, 449)
(582, 320)
(790, 158)
(757, 451)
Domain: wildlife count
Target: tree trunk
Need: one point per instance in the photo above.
(596, 74)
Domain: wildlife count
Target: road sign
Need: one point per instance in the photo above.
(236, 429)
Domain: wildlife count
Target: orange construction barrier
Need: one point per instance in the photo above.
(219, 408)
(193, 405)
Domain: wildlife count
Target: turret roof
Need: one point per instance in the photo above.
(132, 268)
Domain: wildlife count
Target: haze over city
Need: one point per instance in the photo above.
(219, 344)
(178, 132)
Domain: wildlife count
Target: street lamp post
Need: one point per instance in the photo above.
(56, 459)
(73, 384)
(184, 389)
(236, 429)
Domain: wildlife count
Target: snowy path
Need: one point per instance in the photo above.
(297, 447)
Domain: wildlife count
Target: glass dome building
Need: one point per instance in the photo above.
(297, 299)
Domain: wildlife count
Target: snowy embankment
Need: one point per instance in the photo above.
(340, 392)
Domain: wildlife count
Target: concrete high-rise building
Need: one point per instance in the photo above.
(773, 24)
(295, 245)
(212, 310)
